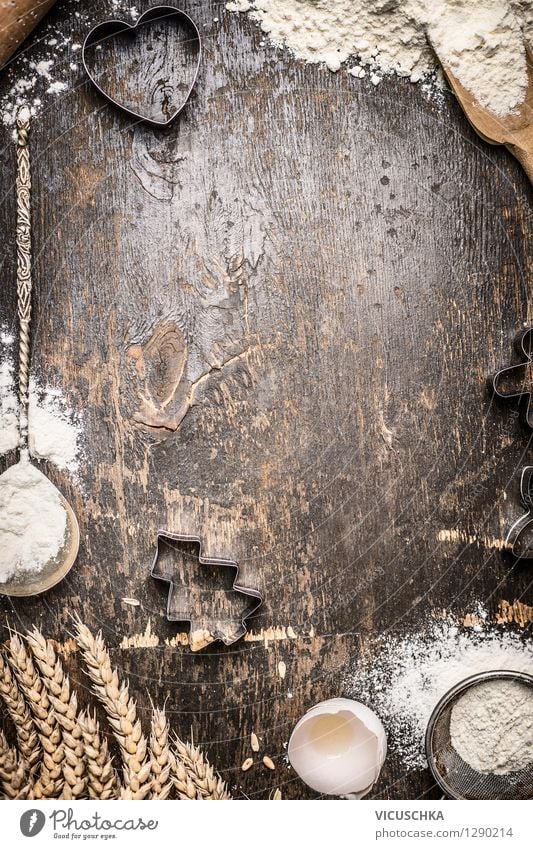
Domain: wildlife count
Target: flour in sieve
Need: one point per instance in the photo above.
(491, 727)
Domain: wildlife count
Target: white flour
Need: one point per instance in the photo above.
(54, 429)
(481, 40)
(491, 727)
(8, 409)
(46, 69)
(406, 676)
(483, 45)
(32, 521)
(51, 67)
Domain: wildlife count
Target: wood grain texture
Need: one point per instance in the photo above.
(277, 318)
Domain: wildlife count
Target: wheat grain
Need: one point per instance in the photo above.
(161, 756)
(254, 742)
(185, 789)
(27, 738)
(277, 795)
(269, 763)
(193, 775)
(50, 780)
(121, 713)
(101, 778)
(65, 707)
(12, 772)
(248, 764)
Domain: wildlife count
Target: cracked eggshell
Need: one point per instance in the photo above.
(338, 748)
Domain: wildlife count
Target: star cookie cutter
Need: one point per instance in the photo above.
(514, 375)
(108, 29)
(512, 541)
(184, 602)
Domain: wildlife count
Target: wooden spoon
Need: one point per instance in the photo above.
(31, 582)
(515, 130)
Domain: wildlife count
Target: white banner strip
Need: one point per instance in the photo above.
(288, 825)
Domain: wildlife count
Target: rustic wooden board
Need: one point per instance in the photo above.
(277, 319)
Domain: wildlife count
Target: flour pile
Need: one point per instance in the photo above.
(33, 521)
(406, 676)
(491, 727)
(480, 40)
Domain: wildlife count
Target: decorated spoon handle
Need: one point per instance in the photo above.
(23, 187)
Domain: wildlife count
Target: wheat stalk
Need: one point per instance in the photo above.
(160, 755)
(12, 771)
(65, 708)
(121, 713)
(27, 738)
(193, 776)
(101, 778)
(50, 780)
(68, 748)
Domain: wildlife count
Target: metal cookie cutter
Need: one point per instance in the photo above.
(514, 375)
(108, 29)
(512, 541)
(187, 600)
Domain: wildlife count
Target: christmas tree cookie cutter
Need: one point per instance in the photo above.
(212, 614)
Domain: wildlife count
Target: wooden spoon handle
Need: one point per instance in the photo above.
(24, 283)
(524, 153)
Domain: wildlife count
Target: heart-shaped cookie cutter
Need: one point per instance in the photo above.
(107, 29)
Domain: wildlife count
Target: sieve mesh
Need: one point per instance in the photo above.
(454, 776)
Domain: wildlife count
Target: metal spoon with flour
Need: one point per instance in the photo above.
(39, 533)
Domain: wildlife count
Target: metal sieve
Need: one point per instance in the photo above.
(456, 778)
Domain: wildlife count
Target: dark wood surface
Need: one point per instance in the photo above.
(277, 319)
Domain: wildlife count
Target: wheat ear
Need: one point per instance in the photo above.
(101, 778)
(160, 755)
(27, 738)
(193, 776)
(12, 772)
(50, 781)
(65, 706)
(121, 713)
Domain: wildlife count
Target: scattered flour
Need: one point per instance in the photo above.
(33, 521)
(481, 40)
(491, 727)
(54, 429)
(406, 676)
(56, 87)
(46, 69)
(8, 409)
